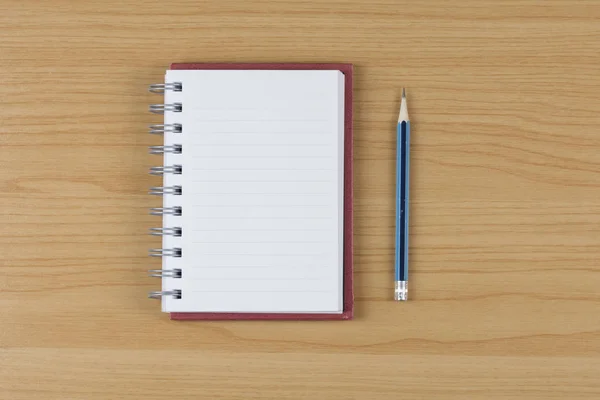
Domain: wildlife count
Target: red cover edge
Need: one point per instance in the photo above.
(348, 311)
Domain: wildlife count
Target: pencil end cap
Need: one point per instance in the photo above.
(401, 291)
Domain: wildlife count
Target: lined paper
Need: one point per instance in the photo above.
(262, 191)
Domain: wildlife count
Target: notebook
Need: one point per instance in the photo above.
(257, 191)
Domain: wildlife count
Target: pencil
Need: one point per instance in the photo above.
(402, 190)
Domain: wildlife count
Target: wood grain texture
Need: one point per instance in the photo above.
(505, 213)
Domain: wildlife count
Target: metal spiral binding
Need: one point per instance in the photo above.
(159, 129)
(172, 169)
(160, 211)
(165, 273)
(176, 190)
(174, 252)
(162, 108)
(175, 149)
(176, 294)
(176, 231)
(162, 190)
(163, 87)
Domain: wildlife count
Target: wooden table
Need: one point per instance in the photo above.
(505, 215)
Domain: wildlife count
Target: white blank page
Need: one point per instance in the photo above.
(262, 191)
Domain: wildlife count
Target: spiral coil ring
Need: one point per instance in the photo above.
(176, 294)
(164, 273)
(160, 211)
(162, 108)
(171, 169)
(175, 149)
(176, 231)
(174, 252)
(162, 190)
(163, 87)
(159, 129)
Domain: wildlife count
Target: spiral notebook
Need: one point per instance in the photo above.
(257, 191)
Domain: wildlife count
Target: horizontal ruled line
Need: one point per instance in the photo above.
(260, 206)
(260, 291)
(261, 169)
(294, 279)
(244, 193)
(205, 145)
(206, 120)
(214, 133)
(238, 108)
(259, 230)
(265, 254)
(264, 194)
(264, 242)
(261, 157)
(252, 266)
(262, 181)
(267, 217)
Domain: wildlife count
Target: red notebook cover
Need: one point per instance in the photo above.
(348, 310)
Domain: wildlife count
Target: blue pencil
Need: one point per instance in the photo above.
(402, 186)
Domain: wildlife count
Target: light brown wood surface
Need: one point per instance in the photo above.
(504, 99)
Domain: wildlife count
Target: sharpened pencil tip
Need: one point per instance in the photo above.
(403, 109)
